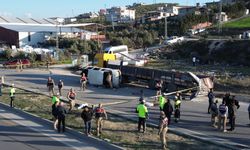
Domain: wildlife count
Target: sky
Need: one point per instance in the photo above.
(69, 8)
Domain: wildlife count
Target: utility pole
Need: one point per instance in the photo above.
(113, 26)
(220, 17)
(166, 27)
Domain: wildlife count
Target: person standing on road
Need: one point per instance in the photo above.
(194, 61)
(109, 81)
(162, 101)
(71, 97)
(61, 113)
(223, 113)
(249, 113)
(210, 96)
(60, 86)
(168, 110)
(163, 128)
(158, 87)
(142, 111)
(12, 95)
(87, 115)
(232, 109)
(214, 113)
(1, 85)
(100, 113)
(55, 103)
(50, 85)
(83, 82)
(177, 107)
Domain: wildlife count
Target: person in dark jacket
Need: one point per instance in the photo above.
(168, 110)
(233, 105)
(87, 115)
(61, 113)
(210, 96)
(249, 113)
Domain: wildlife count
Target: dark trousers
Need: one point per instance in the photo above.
(87, 126)
(232, 121)
(169, 118)
(0, 90)
(12, 101)
(141, 122)
(209, 106)
(61, 121)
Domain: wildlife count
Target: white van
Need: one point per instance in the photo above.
(119, 51)
(97, 76)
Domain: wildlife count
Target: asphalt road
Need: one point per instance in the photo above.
(194, 117)
(19, 130)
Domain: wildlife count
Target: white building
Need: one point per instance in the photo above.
(120, 14)
(28, 31)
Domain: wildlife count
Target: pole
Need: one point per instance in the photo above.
(166, 27)
(220, 17)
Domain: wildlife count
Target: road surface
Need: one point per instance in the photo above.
(194, 117)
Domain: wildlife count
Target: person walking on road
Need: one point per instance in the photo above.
(168, 110)
(214, 113)
(163, 128)
(100, 113)
(232, 109)
(142, 111)
(50, 85)
(87, 115)
(61, 114)
(83, 82)
(177, 107)
(223, 113)
(210, 100)
(12, 95)
(60, 86)
(71, 97)
(55, 103)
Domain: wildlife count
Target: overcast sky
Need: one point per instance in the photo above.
(68, 8)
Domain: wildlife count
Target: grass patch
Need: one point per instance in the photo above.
(242, 23)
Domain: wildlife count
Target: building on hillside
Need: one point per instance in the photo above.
(102, 12)
(224, 17)
(153, 16)
(28, 31)
(89, 15)
(120, 14)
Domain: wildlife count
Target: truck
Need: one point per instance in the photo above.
(173, 39)
(119, 51)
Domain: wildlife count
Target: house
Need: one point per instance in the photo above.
(120, 14)
(89, 15)
(28, 31)
(224, 17)
(154, 15)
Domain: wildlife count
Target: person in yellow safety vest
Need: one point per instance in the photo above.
(55, 102)
(162, 101)
(177, 106)
(142, 111)
(12, 95)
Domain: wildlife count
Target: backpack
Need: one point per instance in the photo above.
(222, 109)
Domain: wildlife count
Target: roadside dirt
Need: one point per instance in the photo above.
(116, 130)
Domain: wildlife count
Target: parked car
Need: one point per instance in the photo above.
(14, 63)
(173, 39)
